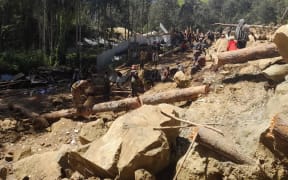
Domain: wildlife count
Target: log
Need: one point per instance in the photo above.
(276, 135)
(250, 25)
(221, 145)
(43, 120)
(54, 115)
(192, 123)
(246, 54)
(38, 121)
(276, 72)
(152, 99)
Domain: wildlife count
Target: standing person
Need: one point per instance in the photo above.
(143, 56)
(242, 34)
(155, 58)
(134, 80)
(79, 96)
(232, 44)
(107, 87)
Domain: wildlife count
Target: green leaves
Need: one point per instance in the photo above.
(180, 2)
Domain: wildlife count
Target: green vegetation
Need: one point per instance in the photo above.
(48, 32)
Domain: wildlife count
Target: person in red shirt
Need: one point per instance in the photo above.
(232, 44)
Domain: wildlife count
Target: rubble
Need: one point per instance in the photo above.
(142, 143)
(40, 166)
(142, 174)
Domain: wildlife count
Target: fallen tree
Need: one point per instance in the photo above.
(152, 99)
(250, 25)
(43, 120)
(221, 145)
(216, 141)
(246, 54)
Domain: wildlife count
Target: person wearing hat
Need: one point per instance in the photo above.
(232, 44)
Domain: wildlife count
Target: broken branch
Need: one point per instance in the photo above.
(195, 134)
(191, 123)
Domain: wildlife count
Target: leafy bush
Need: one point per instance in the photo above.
(13, 62)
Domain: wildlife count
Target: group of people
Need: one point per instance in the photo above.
(241, 36)
(199, 42)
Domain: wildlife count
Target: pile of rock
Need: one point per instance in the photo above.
(130, 149)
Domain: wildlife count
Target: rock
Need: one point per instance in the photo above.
(276, 72)
(7, 124)
(282, 88)
(62, 125)
(181, 80)
(131, 144)
(281, 41)
(249, 70)
(265, 63)
(142, 174)
(21, 153)
(9, 157)
(40, 166)
(76, 175)
(3, 172)
(92, 131)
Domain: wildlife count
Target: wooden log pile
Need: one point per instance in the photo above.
(44, 120)
(152, 99)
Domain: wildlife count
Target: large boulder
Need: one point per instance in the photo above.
(142, 174)
(282, 89)
(281, 41)
(92, 131)
(276, 72)
(181, 80)
(131, 143)
(40, 166)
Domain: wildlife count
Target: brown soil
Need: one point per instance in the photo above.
(238, 108)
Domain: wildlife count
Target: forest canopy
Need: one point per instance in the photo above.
(49, 31)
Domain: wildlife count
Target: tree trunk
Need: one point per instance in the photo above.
(250, 25)
(276, 136)
(221, 145)
(158, 98)
(38, 121)
(247, 54)
(44, 30)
